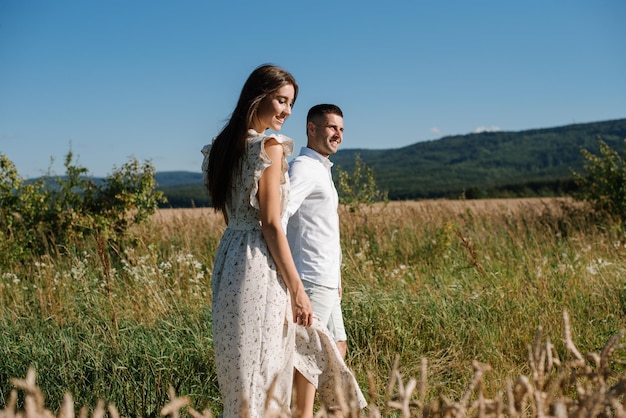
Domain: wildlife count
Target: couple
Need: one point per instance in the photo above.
(264, 323)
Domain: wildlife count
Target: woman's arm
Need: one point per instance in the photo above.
(269, 203)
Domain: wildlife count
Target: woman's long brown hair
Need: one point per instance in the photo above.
(229, 146)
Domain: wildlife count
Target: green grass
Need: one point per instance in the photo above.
(420, 281)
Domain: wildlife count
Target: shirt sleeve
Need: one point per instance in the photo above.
(301, 185)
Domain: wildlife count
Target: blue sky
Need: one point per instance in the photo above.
(156, 79)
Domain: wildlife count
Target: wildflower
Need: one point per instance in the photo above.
(11, 276)
(165, 265)
(594, 267)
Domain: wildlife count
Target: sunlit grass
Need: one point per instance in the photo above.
(449, 282)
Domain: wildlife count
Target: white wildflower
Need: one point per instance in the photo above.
(594, 267)
(11, 276)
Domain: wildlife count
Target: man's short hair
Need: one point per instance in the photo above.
(323, 109)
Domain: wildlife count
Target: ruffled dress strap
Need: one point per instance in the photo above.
(263, 161)
(206, 150)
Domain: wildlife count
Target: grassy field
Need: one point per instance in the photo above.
(444, 287)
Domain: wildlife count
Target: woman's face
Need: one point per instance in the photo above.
(274, 109)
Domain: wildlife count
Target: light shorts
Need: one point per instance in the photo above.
(327, 307)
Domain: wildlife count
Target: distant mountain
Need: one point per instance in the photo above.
(476, 165)
(488, 161)
(182, 188)
(177, 178)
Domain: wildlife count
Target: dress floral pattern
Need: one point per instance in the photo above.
(318, 359)
(253, 333)
(254, 336)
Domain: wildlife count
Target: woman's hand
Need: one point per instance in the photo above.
(301, 308)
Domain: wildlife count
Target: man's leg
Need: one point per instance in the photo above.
(343, 348)
(326, 303)
(336, 327)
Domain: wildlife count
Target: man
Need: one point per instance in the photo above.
(313, 228)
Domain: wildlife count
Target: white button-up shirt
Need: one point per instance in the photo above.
(312, 221)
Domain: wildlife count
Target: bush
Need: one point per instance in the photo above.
(54, 211)
(604, 181)
(359, 187)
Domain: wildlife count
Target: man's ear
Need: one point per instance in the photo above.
(310, 128)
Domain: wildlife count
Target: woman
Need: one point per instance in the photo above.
(256, 288)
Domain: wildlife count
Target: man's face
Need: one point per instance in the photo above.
(325, 134)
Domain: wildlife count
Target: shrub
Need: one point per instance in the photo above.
(604, 181)
(358, 187)
(54, 211)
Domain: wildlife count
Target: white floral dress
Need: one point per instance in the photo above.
(318, 359)
(253, 334)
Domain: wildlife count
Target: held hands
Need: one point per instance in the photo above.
(301, 308)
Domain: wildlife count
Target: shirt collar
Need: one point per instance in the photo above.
(317, 156)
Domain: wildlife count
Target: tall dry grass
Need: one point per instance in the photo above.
(449, 283)
(464, 280)
(578, 386)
